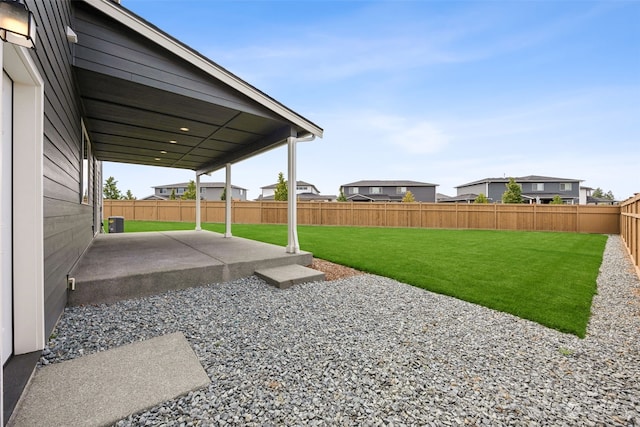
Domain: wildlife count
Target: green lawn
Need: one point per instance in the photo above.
(549, 278)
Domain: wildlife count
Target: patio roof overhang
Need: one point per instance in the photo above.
(149, 99)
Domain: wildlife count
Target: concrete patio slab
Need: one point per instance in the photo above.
(102, 388)
(130, 265)
(286, 276)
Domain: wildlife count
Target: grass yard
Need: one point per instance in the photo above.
(549, 278)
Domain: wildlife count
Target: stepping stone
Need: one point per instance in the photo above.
(101, 388)
(288, 275)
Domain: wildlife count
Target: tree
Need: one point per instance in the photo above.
(223, 196)
(341, 197)
(172, 196)
(281, 193)
(481, 199)
(110, 189)
(408, 197)
(598, 193)
(190, 192)
(129, 195)
(513, 194)
(557, 200)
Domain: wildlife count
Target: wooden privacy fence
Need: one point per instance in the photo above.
(630, 228)
(569, 218)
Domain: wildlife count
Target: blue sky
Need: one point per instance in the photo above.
(445, 92)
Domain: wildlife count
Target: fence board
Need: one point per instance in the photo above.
(630, 228)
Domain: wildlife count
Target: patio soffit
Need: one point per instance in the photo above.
(140, 89)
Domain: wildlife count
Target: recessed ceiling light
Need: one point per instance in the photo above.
(184, 129)
(158, 158)
(163, 152)
(173, 141)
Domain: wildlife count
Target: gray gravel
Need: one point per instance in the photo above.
(368, 350)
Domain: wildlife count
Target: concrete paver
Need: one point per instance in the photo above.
(102, 388)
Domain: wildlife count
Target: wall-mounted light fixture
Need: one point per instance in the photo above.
(17, 24)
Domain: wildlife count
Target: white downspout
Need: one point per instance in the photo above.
(293, 246)
(198, 224)
(227, 202)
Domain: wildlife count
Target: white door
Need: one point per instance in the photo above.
(6, 222)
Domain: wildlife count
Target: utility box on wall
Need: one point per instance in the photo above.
(116, 224)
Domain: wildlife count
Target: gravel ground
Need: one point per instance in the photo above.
(367, 350)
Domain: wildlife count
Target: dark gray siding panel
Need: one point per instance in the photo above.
(496, 190)
(423, 194)
(67, 223)
(108, 47)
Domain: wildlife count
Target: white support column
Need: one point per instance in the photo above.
(198, 222)
(293, 246)
(227, 203)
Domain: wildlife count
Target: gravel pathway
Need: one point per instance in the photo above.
(367, 350)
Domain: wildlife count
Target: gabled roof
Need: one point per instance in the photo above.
(529, 178)
(389, 183)
(139, 86)
(202, 185)
(374, 197)
(469, 197)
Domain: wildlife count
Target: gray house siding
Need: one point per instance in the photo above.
(424, 194)
(532, 186)
(475, 189)
(420, 193)
(496, 190)
(67, 223)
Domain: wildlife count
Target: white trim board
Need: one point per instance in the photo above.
(28, 242)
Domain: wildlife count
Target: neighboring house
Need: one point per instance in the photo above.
(102, 84)
(304, 192)
(208, 191)
(388, 191)
(535, 189)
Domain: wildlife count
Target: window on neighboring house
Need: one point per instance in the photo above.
(180, 190)
(241, 191)
(301, 188)
(565, 186)
(375, 190)
(86, 195)
(354, 190)
(203, 190)
(537, 186)
(164, 191)
(401, 190)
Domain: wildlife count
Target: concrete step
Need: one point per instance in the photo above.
(288, 275)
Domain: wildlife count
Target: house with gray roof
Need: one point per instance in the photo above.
(304, 191)
(208, 191)
(535, 189)
(388, 191)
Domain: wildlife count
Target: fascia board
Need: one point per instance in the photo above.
(109, 8)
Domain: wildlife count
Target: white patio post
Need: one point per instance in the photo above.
(198, 225)
(293, 246)
(227, 202)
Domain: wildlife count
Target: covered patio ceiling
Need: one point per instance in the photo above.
(149, 99)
